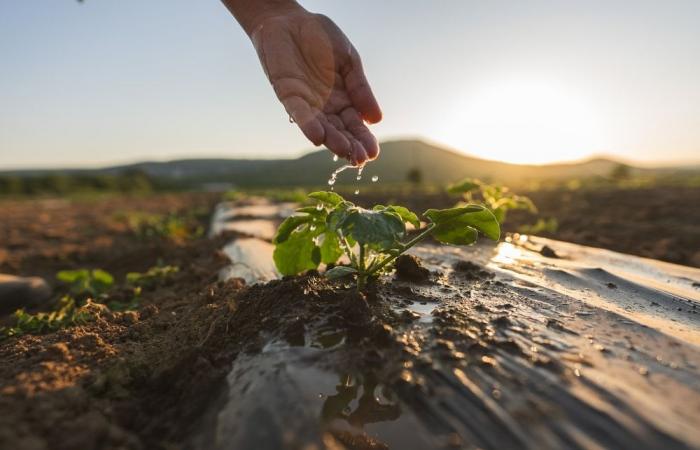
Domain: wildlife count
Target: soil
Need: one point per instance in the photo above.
(470, 357)
(124, 379)
(409, 268)
(659, 223)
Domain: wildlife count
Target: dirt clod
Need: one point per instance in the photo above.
(471, 271)
(548, 252)
(409, 268)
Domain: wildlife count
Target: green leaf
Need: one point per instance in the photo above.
(327, 197)
(380, 229)
(290, 224)
(297, 254)
(103, 278)
(311, 210)
(500, 214)
(406, 214)
(460, 225)
(84, 281)
(464, 186)
(330, 248)
(71, 276)
(340, 272)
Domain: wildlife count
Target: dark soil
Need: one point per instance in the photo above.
(409, 268)
(474, 372)
(126, 378)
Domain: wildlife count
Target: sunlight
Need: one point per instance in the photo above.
(523, 121)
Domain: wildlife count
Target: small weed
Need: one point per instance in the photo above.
(176, 227)
(499, 199)
(66, 314)
(550, 225)
(87, 283)
(153, 277)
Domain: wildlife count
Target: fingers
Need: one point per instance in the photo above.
(335, 141)
(353, 123)
(306, 118)
(360, 92)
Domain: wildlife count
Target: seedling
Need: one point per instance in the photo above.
(499, 199)
(153, 277)
(66, 314)
(175, 227)
(370, 239)
(84, 282)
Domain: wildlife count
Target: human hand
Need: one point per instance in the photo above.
(317, 75)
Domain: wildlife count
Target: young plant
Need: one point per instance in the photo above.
(155, 276)
(175, 227)
(370, 239)
(499, 199)
(84, 282)
(66, 314)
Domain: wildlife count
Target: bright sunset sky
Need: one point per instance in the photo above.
(523, 81)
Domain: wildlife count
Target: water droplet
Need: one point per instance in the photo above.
(357, 191)
(334, 175)
(335, 158)
(375, 179)
(359, 173)
(319, 207)
(291, 119)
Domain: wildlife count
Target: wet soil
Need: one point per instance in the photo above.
(474, 361)
(660, 223)
(482, 354)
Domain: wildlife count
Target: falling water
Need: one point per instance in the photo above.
(334, 175)
(335, 158)
(375, 179)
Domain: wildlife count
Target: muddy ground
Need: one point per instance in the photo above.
(469, 358)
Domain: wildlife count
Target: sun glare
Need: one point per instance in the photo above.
(525, 122)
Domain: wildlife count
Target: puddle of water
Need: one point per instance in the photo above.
(424, 309)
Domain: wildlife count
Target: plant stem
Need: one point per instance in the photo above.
(404, 247)
(361, 272)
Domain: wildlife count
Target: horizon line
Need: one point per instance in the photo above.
(302, 153)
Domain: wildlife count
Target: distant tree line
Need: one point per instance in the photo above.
(132, 181)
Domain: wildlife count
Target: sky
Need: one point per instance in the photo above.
(102, 82)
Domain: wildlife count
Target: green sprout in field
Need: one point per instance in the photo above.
(83, 282)
(175, 227)
(370, 239)
(499, 199)
(67, 313)
(155, 276)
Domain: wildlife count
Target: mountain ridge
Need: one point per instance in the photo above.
(436, 164)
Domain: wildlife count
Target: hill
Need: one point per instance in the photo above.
(436, 165)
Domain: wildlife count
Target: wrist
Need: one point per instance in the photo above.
(251, 14)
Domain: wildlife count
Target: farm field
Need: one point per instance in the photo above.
(155, 369)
